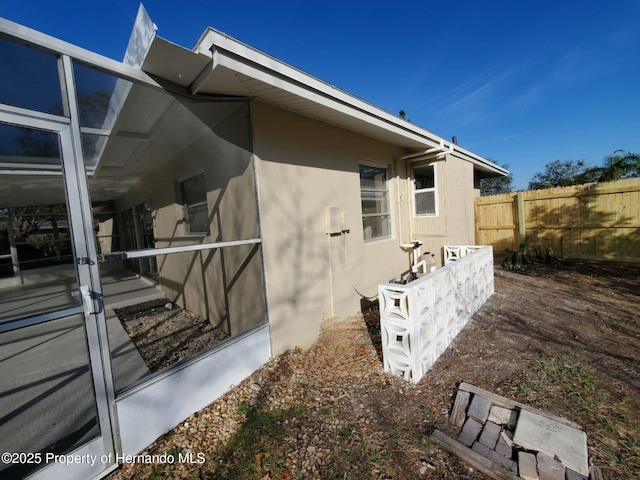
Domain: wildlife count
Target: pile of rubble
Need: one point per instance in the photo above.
(507, 439)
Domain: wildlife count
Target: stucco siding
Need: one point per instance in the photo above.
(304, 166)
(454, 223)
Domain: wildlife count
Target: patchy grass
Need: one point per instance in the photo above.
(566, 341)
(156, 472)
(256, 449)
(634, 322)
(558, 384)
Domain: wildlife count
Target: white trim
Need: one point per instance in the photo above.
(152, 409)
(433, 189)
(230, 53)
(25, 112)
(389, 212)
(40, 318)
(151, 252)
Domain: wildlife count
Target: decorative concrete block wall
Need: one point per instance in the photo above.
(420, 319)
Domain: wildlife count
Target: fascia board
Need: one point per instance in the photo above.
(58, 46)
(234, 54)
(478, 160)
(238, 56)
(237, 65)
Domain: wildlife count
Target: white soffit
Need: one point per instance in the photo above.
(174, 63)
(232, 68)
(221, 65)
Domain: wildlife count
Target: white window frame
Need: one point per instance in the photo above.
(386, 191)
(415, 191)
(186, 225)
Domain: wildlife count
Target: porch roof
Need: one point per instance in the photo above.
(222, 65)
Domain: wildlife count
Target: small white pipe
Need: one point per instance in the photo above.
(420, 265)
(429, 154)
(439, 148)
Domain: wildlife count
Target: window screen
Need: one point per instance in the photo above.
(374, 193)
(194, 204)
(424, 191)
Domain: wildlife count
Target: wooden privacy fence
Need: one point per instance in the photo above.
(594, 221)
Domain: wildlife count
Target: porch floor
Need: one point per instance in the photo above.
(46, 395)
(120, 288)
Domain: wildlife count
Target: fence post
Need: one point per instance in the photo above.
(521, 219)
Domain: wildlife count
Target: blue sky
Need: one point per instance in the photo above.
(520, 82)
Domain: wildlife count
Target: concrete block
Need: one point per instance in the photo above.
(571, 475)
(481, 449)
(479, 408)
(470, 432)
(549, 468)
(507, 462)
(555, 439)
(490, 434)
(503, 448)
(527, 466)
(502, 416)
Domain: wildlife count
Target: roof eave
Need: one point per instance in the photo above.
(224, 56)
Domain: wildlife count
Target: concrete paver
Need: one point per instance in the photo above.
(542, 434)
(503, 448)
(479, 408)
(490, 434)
(549, 468)
(470, 432)
(571, 475)
(527, 466)
(502, 416)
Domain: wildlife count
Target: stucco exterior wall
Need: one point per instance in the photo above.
(304, 166)
(454, 224)
(225, 285)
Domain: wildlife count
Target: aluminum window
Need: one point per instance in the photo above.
(30, 78)
(425, 196)
(374, 193)
(194, 205)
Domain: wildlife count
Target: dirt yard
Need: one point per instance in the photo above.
(563, 339)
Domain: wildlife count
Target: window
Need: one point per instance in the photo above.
(30, 78)
(424, 191)
(374, 192)
(194, 205)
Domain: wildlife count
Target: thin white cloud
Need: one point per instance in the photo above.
(481, 94)
(576, 65)
(462, 90)
(473, 96)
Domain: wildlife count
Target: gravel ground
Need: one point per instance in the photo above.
(338, 412)
(331, 413)
(164, 333)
